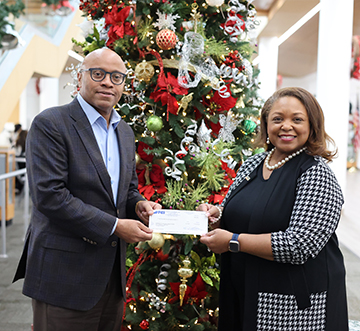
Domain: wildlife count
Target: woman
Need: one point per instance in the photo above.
(281, 267)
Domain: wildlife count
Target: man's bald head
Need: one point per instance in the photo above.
(102, 95)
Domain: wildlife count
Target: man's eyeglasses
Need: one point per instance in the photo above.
(98, 75)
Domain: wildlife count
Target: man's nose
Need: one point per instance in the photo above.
(107, 80)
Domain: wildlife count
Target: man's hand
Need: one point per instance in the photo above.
(146, 208)
(132, 231)
(217, 240)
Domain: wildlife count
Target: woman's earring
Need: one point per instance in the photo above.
(78, 88)
(268, 140)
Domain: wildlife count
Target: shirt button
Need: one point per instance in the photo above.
(114, 243)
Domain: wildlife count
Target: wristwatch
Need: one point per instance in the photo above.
(234, 245)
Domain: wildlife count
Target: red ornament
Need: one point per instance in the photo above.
(166, 39)
(144, 324)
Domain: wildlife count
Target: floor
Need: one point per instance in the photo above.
(15, 308)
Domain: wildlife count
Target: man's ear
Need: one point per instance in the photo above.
(79, 78)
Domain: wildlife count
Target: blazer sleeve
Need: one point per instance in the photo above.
(314, 218)
(47, 165)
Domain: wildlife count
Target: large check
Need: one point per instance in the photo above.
(179, 222)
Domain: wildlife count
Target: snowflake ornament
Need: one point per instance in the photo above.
(165, 21)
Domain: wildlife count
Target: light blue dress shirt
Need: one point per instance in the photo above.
(107, 141)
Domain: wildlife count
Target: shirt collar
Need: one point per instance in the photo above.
(93, 115)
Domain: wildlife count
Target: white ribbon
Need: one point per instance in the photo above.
(224, 155)
(193, 148)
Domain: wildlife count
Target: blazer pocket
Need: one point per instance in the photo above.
(62, 243)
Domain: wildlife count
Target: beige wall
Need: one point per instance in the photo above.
(41, 57)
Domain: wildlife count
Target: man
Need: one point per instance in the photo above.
(83, 183)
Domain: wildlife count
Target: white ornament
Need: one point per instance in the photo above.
(87, 27)
(215, 3)
(229, 124)
(166, 21)
(203, 135)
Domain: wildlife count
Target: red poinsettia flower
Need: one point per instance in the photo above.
(230, 173)
(143, 155)
(161, 256)
(217, 103)
(166, 87)
(118, 25)
(151, 180)
(195, 292)
(232, 22)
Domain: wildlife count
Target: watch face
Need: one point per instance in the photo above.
(234, 246)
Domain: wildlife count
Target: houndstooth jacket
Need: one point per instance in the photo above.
(305, 247)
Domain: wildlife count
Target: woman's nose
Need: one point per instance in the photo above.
(287, 125)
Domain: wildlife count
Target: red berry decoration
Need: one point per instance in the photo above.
(166, 39)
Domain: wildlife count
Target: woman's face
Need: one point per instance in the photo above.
(288, 126)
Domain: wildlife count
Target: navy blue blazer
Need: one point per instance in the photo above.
(69, 253)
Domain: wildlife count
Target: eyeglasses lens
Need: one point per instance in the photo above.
(98, 75)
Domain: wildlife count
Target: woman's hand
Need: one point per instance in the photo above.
(212, 212)
(217, 240)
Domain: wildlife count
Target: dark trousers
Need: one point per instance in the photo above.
(105, 316)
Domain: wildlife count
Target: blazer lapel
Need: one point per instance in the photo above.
(86, 134)
(126, 142)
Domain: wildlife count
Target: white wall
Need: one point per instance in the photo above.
(307, 82)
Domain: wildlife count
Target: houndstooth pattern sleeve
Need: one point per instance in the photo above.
(314, 218)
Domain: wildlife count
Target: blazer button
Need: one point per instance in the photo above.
(114, 243)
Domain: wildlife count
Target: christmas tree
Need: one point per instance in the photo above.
(191, 99)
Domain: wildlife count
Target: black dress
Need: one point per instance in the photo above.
(303, 289)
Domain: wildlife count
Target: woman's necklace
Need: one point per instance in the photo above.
(280, 163)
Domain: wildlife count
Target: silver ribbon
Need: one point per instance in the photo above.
(161, 285)
(193, 148)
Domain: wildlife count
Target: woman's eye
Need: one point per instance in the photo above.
(277, 119)
(298, 119)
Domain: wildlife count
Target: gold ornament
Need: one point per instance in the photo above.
(137, 159)
(144, 71)
(184, 272)
(195, 16)
(157, 241)
(184, 102)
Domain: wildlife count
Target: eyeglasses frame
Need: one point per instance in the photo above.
(105, 72)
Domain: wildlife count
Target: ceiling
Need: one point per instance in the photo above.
(298, 54)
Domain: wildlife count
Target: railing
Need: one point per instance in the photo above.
(3, 205)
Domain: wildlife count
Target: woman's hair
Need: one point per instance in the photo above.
(318, 138)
